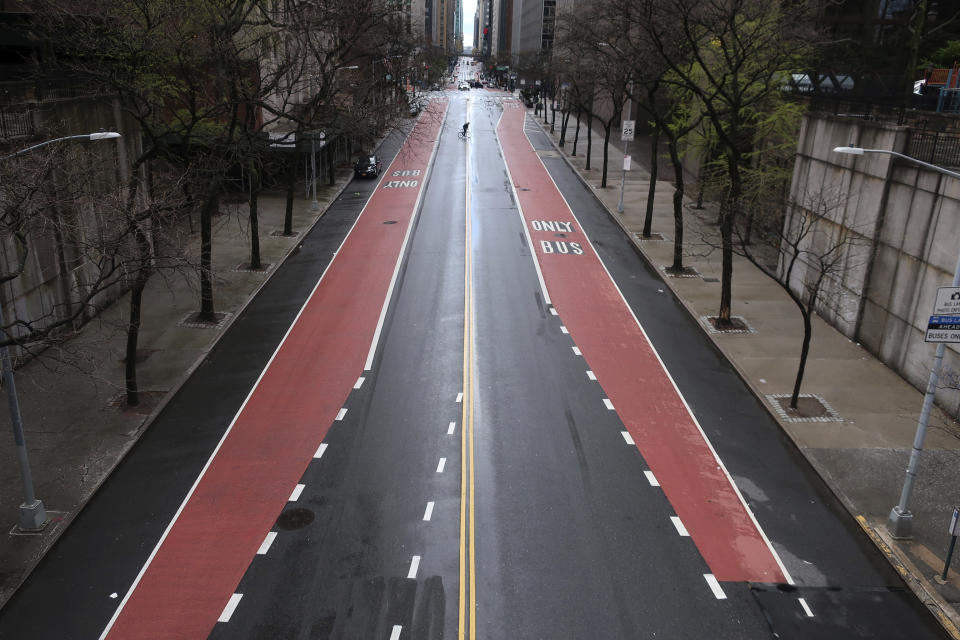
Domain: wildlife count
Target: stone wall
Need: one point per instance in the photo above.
(904, 225)
(48, 287)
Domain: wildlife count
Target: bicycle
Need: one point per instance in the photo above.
(462, 135)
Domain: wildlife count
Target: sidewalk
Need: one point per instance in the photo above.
(76, 425)
(862, 451)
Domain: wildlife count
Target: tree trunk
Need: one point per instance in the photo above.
(553, 114)
(804, 352)
(211, 205)
(133, 326)
(589, 138)
(254, 217)
(606, 147)
(652, 190)
(564, 120)
(576, 133)
(291, 185)
(133, 337)
(728, 216)
(678, 190)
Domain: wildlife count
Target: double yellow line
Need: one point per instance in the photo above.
(468, 603)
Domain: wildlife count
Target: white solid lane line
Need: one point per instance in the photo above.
(715, 586)
(395, 632)
(265, 545)
(806, 607)
(608, 404)
(320, 450)
(451, 428)
(626, 436)
(230, 608)
(414, 566)
(359, 382)
(441, 465)
(652, 479)
(591, 375)
(341, 413)
(428, 513)
(682, 530)
(297, 490)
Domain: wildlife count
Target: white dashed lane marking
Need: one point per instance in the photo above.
(395, 632)
(678, 524)
(359, 382)
(591, 375)
(320, 450)
(459, 397)
(341, 413)
(441, 465)
(563, 329)
(608, 404)
(451, 428)
(230, 608)
(652, 479)
(806, 607)
(553, 311)
(428, 512)
(265, 545)
(627, 437)
(576, 351)
(414, 567)
(715, 586)
(297, 490)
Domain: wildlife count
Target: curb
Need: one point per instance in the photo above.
(945, 614)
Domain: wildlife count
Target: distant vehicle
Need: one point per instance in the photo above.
(476, 85)
(464, 86)
(368, 166)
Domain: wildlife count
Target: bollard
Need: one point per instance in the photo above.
(953, 530)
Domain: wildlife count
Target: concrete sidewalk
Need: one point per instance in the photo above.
(861, 448)
(76, 425)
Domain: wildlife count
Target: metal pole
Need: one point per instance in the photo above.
(314, 205)
(33, 515)
(900, 523)
(626, 148)
(946, 563)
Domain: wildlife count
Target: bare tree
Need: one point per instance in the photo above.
(813, 246)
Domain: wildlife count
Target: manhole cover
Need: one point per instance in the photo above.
(295, 518)
(390, 222)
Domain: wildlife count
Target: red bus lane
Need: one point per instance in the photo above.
(197, 565)
(633, 377)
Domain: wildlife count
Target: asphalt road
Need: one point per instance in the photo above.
(479, 485)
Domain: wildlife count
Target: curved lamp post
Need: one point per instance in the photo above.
(900, 522)
(33, 515)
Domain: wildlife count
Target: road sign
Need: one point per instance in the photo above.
(626, 163)
(943, 329)
(948, 301)
(629, 126)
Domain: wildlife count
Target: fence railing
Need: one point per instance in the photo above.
(16, 123)
(935, 147)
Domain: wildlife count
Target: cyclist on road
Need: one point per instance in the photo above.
(466, 126)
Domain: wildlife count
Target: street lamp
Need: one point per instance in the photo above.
(33, 515)
(900, 522)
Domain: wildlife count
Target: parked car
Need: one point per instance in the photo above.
(368, 166)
